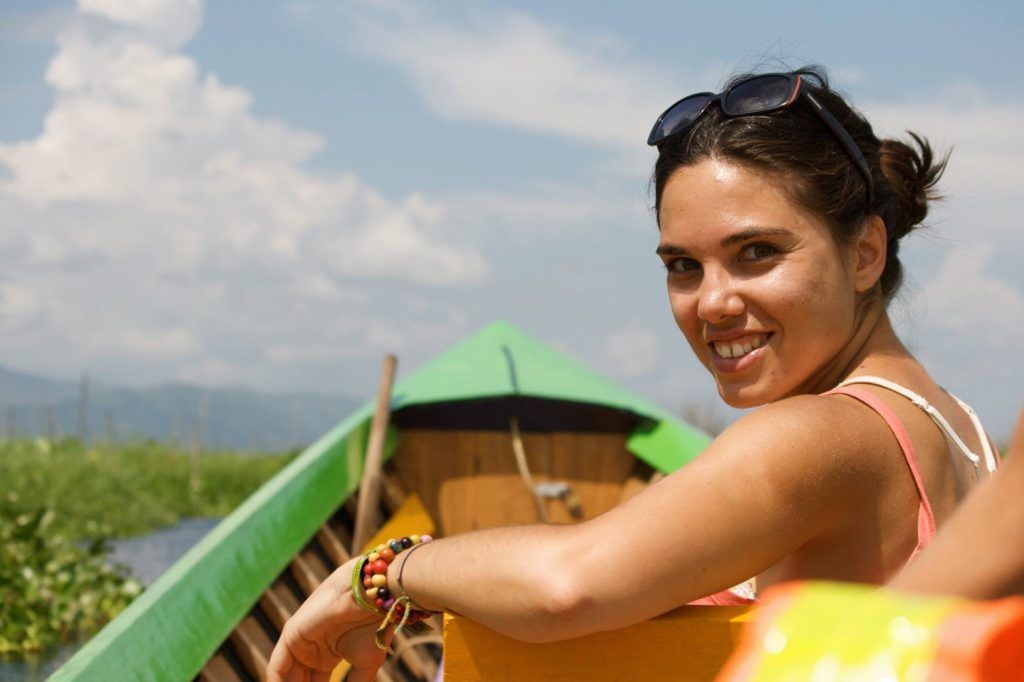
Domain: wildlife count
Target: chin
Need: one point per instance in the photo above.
(743, 396)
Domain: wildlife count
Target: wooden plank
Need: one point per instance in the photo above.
(692, 643)
(253, 646)
(342, 532)
(410, 647)
(304, 574)
(632, 486)
(332, 545)
(392, 490)
(217, 669)
(316, 565)
(469, 480)
(277, 607)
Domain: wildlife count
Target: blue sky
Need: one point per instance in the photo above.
(275, 194)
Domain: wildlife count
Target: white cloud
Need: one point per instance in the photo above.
(156, 218)
(168, 23)
(983, 131)
(967, 300)
(630, 351)
(508, 68)
(964, 322)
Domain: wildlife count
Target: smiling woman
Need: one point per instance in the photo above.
(780, 214)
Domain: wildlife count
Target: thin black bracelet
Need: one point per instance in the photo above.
(401, 571)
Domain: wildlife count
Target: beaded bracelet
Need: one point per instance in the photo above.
(370, 589)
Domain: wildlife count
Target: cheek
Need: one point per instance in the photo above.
(816, 304)
(684, 311)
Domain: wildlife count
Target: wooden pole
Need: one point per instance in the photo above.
(9, 423)
(111, 429)
(51, 423)
(194, 481)
(83, 410)
(367, 511)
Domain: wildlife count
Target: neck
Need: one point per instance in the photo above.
(872, 338)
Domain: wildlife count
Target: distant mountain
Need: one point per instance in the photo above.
(231, 418)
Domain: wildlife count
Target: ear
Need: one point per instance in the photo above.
(869, 253)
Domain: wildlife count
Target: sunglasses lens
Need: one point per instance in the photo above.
(679, 117)
(759, 94)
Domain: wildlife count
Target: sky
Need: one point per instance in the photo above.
(274, 195)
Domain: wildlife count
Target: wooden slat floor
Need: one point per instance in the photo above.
(463, 490)
(243, 657)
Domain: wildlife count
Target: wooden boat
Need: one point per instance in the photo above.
(452, 466)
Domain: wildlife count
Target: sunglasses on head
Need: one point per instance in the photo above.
(756, 95)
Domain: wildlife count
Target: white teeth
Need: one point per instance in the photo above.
(737, 349)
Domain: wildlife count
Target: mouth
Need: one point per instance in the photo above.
(740, 346)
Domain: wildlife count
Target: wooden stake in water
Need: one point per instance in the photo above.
(83, 410)
(367, 512)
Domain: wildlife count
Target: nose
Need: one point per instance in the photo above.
(720, 297)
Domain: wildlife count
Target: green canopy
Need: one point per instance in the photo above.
(500, 360)
(173, 628)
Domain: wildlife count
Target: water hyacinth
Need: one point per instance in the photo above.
(61, 502)
(52, 588)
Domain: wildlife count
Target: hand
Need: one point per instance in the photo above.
(328, 627)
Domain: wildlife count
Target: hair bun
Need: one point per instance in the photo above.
(912, 173)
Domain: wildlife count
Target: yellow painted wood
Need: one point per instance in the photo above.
(690, 643)
(410, 519)
(339, 672)
(469, 479)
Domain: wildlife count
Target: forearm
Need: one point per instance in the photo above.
(978, 554)
(544, 583)
(737, 509)
(516, 580)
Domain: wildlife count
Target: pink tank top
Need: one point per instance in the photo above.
(925, 518)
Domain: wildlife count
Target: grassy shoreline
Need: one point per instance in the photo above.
(61, 502)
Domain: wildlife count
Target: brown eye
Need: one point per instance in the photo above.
(682, 265)
(758, 251)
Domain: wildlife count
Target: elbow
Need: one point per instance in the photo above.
(561, 604)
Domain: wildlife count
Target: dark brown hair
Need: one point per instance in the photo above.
(819, 174)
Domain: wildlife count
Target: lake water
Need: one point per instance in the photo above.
(148, 556)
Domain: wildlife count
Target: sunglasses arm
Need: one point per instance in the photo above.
(844, 138)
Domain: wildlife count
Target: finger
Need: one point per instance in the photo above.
(298, 673)
(280, 663)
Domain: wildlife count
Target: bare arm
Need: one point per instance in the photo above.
(979, 553)
(780, 477)
(777, 479)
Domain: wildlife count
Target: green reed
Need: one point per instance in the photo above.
(61, 502)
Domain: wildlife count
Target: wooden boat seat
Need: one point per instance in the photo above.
(691, 643)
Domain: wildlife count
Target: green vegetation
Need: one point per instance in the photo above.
(61, 502)
(51, 587)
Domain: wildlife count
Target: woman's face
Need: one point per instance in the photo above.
(758, 285)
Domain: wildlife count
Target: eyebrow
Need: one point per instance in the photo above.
(752, 232)
(735, 238)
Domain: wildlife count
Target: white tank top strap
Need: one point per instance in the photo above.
(936, 416)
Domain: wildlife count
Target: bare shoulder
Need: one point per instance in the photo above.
(810, 440)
